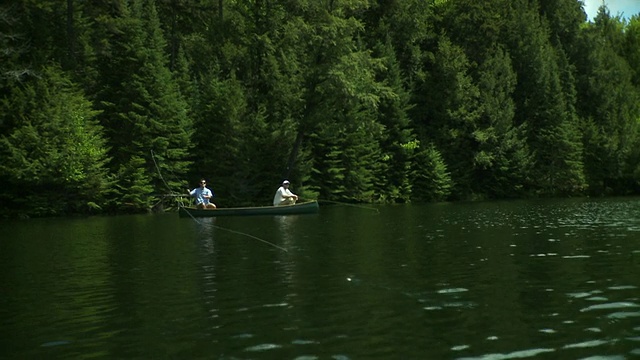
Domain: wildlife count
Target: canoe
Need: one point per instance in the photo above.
(310, 207)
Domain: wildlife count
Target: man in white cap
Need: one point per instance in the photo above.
(284, 196)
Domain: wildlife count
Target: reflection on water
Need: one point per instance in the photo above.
(206, 233)
(286, 228)
(549, 279)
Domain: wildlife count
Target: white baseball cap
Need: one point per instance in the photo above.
(286, 182)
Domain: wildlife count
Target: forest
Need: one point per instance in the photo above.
(115, 106)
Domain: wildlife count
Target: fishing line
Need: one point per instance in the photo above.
(171, 193)
(240, 233)
(251, 236)
(352, 205)
(153, 157)
(215, 226)
(194, 219)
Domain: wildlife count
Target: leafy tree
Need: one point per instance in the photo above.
(218, 118)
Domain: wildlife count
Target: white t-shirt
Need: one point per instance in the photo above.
(279, 197)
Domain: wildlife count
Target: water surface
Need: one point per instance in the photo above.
(548, 279)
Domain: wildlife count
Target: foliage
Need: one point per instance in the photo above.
(450, 114)
(503, 160)
(430, 177)
(54, 161)
(143, 110)
(609, 103)
(107, 106)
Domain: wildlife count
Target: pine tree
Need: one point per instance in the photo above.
(54, 160)
(631, 49)
(335, 72)
(542, 104)
(393, 170)
(449, 112)
(12, 43)
(564, 18)
(502, 162)
(430, 179)
(144, 111)
(610, 105)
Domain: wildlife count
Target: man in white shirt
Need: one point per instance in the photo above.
(284, 196)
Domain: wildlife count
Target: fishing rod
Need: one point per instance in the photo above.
(196, 220)
(153, 157)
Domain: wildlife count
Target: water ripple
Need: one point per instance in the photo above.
(514, 355)
(586, 344)
(623, 315)
(609, 306)
(263, 347)
(452, 291)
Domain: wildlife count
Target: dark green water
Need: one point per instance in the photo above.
(553, 279)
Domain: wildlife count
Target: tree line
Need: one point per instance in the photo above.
(108, 105)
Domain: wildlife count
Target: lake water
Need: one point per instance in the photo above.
(547, 279)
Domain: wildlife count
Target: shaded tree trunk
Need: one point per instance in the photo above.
(71, 37)
(294, 154)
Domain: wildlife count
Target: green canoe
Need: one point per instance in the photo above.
(310, 207)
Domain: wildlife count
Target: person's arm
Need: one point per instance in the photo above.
(289, 194)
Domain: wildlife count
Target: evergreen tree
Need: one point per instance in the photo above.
(631, 49)
(449, 114)
(564, 18)
(609, 103)
(502, 162)
(332, 75)
(352, 100)
(234, 147)
(11, 66)
(430, 179)
(13, 45)
(54, 160)
(393, 168)
(346, 158)
(476, 26)
(541, 103)
(411, 27)
(144, 112)
(328, 170)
